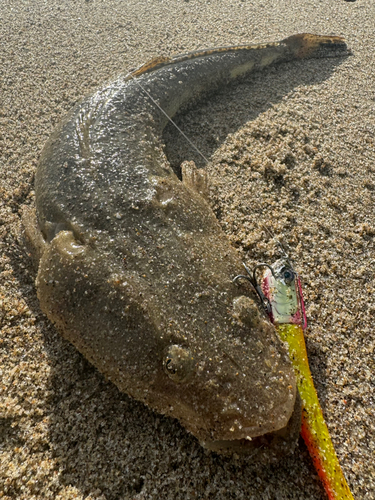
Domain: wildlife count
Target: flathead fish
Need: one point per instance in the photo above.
(135, 270)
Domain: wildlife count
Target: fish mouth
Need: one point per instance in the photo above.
(268, 447)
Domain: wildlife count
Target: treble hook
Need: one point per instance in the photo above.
(251, 277)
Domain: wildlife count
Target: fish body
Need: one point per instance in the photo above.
(135, 270)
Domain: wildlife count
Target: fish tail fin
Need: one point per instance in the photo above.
(306, 45)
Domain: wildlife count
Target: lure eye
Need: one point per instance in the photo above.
(288, 275)
(178, 363)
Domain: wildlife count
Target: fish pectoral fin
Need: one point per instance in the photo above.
(32, 234)
(195, 179)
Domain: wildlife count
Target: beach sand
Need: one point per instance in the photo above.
(293, 160)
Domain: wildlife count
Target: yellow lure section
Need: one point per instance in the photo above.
(314, 429)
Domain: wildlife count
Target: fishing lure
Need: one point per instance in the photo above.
(282, 291)
(281, 296)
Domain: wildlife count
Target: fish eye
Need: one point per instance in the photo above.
(170, 368)
(178, 363)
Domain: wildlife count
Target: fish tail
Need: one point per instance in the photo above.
(306, 45)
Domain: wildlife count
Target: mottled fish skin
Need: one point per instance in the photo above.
(135, 270)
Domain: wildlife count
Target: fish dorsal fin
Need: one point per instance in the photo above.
(155, 63)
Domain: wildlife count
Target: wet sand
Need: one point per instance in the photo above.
(293, 161)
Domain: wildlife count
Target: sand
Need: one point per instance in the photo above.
(293, 160)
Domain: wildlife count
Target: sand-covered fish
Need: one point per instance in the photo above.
(135, 270)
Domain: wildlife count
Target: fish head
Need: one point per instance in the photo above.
(185, 343)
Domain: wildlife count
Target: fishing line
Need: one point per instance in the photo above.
(168, 117)
(130, 74)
